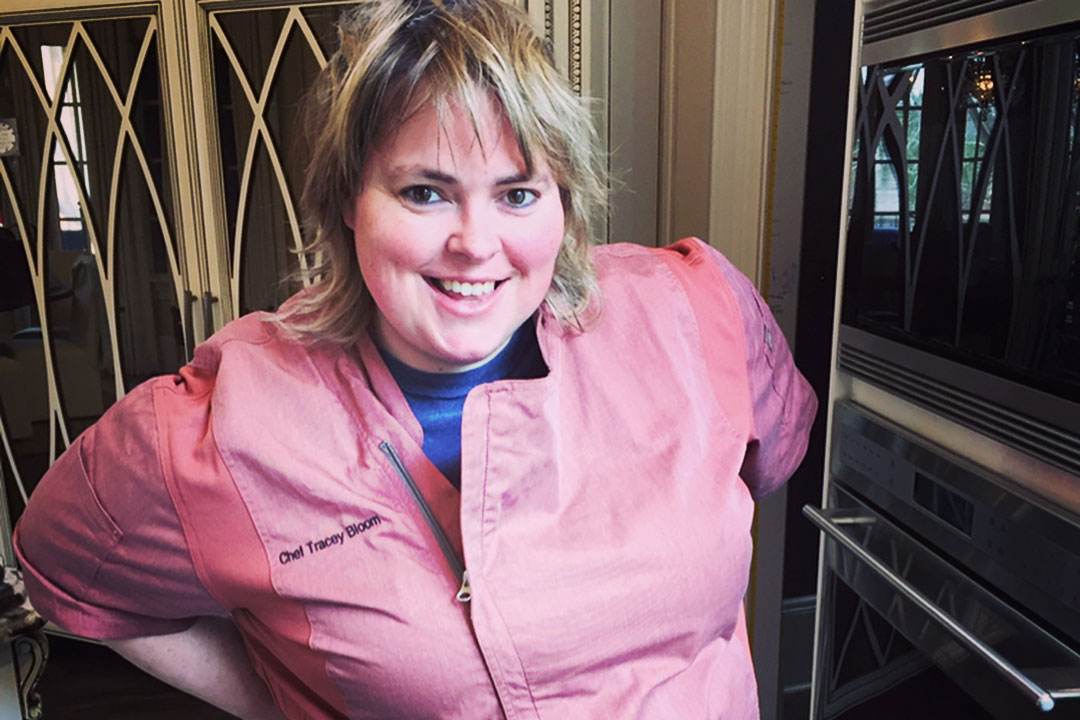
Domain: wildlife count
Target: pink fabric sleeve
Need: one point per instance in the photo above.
(784, 404)
(101, 546)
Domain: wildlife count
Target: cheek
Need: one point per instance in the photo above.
(540, 249)
(384, 249)
(379, 268)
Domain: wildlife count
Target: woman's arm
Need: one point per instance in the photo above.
(208, 660)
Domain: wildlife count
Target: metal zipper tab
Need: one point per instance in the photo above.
(464, 594)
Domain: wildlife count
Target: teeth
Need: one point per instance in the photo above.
(467, 289)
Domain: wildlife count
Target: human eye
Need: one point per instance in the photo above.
(520, 197)
(421, 195)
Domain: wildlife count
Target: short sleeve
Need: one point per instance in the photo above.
(101, 545)
(783, 403)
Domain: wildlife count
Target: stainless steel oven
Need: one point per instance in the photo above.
(948, 591)
(949, 580)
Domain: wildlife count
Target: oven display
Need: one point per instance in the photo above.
(944, 504)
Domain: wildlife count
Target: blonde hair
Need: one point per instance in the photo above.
(394, 57)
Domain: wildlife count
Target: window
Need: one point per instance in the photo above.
(887, 170)
(72, 227)
(980, 113)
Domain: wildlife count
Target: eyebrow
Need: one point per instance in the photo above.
(441, 177)
(513, 179)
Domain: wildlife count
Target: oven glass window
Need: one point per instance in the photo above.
(876, 674)
(964, 224)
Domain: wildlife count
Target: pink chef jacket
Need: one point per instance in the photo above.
(604, 515)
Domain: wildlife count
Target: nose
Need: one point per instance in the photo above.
(475, 236)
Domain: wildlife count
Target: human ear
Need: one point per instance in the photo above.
(348, 211)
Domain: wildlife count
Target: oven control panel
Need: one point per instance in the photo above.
(966, 514)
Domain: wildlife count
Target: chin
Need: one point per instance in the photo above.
(467, 359)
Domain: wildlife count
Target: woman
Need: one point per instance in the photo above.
(479, 469)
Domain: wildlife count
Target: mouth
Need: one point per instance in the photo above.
(460, 289)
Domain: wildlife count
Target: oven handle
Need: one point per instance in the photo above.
(1042, 698)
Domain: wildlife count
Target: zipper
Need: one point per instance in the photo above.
(464, 593)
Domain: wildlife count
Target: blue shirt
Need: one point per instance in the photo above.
(438, 399)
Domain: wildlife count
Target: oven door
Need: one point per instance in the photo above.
(904, 634)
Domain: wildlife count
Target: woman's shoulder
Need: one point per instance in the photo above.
(700, 269)
(254, 332)
(690, 251)
(256, 343)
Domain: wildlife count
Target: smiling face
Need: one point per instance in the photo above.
(455, 240)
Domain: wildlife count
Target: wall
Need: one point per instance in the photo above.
(720, 107)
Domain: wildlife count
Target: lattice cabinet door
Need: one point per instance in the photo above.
(256, 63)
(97, 288)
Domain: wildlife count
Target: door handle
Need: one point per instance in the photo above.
(208, 301)
(831, 527)
(189, 325)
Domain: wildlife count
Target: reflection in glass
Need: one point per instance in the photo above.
(977, 132)
(274, 56)
(100, 312)
(986, 269)
(886, 197)
(896, 158)
(24, 393)
(71, 123)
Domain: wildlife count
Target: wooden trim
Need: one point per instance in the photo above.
(574, 43)
(633, 121)
(689, 46)
(666, 149)
(225, 6)
(195, 120)
(742, 106)
(40, 12)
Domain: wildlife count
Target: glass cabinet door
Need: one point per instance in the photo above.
(95, 292)
(262, 61)
(94, 287)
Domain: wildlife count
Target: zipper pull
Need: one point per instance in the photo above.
(464, 595)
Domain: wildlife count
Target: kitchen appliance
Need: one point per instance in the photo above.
(948, 591)
(949, 583)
